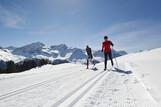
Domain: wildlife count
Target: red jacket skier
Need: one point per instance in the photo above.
(106, 48)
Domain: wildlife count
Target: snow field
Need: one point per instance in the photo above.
(135, 83)
(39, 95)
(118, 89)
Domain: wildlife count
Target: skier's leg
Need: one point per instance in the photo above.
(87, 63)
(110, 56)
(105, 56)
(93, 62)
(90, 58)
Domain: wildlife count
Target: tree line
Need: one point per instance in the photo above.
(12, 67)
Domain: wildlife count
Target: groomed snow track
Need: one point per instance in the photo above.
(73, 97)
(22, 90)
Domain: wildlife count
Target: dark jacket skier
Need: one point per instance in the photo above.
(89, 55)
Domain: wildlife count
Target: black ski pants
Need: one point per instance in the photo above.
(106, 55)
(90, 59)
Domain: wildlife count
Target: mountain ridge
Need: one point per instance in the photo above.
(53, 52)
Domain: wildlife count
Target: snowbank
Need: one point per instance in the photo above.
(147, 67)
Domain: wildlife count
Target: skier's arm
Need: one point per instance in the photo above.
(102, 47)
(91, 52)
(87, 51)
(111, 44)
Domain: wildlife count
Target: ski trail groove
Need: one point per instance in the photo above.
(79, 88)
(22, 90)
(83, 93)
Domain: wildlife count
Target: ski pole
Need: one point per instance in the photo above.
(116, 62)
(115, 59)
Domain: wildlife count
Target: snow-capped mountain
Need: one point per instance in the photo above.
(35, 50)
(62, 51)
(77, 54)
(6, 55)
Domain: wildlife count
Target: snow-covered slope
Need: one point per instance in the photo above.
(135, 83)
(147, 67)
(6, 55)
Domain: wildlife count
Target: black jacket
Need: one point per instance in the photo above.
(89, 52)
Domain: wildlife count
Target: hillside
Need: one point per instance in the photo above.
(6, 55)
(135, 83)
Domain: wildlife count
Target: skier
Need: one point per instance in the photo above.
(89, 56)
(106, 48)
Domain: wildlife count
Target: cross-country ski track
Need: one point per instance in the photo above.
(74, 86)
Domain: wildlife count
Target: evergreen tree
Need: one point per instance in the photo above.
(11, 67)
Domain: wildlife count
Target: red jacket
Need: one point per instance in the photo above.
(106, 46)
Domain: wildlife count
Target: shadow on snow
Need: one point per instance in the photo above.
(122, 71)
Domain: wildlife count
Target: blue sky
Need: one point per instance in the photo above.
(132, 25)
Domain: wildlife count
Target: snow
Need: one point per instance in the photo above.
(54, 51)
(135, 83)
(33, 88)
(99, 59)
(147, 66)
(67, 56)
(6, 55)
(117, 90)
(43, 57)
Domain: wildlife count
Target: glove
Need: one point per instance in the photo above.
(102, 50)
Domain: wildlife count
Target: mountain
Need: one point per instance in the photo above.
(114, 53)
(29, 50)
(6, 55)
(118, 53)
(62, 51)
(77, 54)
(35, 50)
(11, 48)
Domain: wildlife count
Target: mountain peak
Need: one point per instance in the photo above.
(11, 48)
(39, 44)
(36, 45)
(59, 47)
(29, 50)
(56, 51)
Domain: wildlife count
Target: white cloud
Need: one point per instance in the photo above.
(10, 19)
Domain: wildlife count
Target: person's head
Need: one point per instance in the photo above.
(105, 38)
(87, 46)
